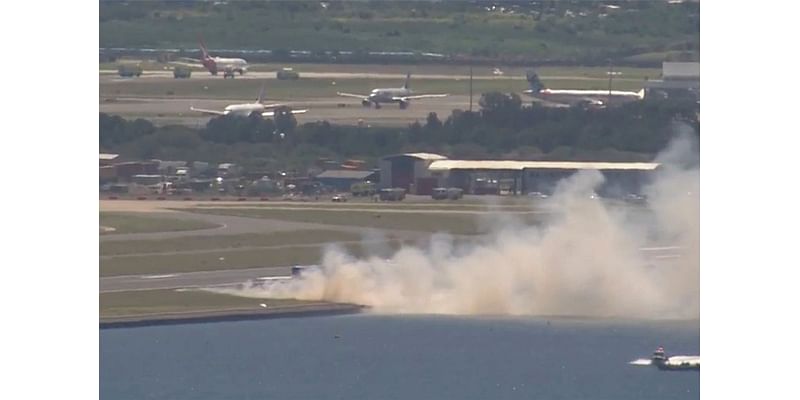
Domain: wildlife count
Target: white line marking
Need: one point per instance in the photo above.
(158, 276)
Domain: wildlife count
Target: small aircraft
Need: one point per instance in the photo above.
(402, 95)
(244, 110)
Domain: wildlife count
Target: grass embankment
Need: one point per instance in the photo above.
(136, 223)
(229, 259)
(154, 302)
(568, 31)
(455, 223)
(223, 242)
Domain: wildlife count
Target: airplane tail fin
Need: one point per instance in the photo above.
(262, 93)
(203, 47)
(408, 78)
(534, 83)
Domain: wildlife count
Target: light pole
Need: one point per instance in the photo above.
(610, 77)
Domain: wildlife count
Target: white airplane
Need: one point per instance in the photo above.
(595, 98)
(228, 66)
(244, 110)
(402, 95)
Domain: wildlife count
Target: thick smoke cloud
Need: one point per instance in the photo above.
(587, 261)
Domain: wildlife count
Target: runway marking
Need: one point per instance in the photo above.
(660, 248)
(159, 276)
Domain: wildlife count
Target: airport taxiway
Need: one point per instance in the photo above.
(336, 110)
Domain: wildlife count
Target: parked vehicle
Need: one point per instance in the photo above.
(363, 189)
(393, 194)
(128, 70)
(452, 193)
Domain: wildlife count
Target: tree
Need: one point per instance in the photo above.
(433, 122)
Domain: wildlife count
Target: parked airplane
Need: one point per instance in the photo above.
(246, 109)
(596, 98)
(402, 95)
(228, 66)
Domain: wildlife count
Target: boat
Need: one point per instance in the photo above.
(674, 363)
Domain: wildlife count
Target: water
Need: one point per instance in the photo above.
(396, 357)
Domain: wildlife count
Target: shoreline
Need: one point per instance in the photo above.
(230, 315)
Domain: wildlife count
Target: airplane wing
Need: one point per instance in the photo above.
(358, 96)
(274, 105)
(204, 111)
(418, 96)
(272, 113)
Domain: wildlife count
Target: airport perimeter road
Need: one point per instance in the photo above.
(188, 279)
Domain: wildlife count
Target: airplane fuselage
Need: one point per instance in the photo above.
(387, 95)
(216, 64)
(243, 109)
(576, 96)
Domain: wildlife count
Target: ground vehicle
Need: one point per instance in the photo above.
(537, 195)
(128, 70)
(362, 189)
(339, 198)
(634, 198)
(181, 72)
(287, 74)
(393, 194)
(441, 193)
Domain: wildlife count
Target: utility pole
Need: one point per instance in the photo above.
(610, 77)
(470, 88)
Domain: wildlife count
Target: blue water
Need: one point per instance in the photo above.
(393, 357)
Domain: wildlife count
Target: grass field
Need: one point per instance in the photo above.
(228, 259)
(462, 224)
(546, 31)
(224, 242)
(148, 302)
(135, 223)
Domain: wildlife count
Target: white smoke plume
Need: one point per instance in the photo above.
(587, 261)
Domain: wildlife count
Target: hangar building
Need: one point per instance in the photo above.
(679, 79)
(409, 171)
(521, 177)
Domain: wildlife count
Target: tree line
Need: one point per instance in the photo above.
(504, 127)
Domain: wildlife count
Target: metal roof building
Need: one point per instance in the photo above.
(409, 171)
(488, 176)
(679, 79)
(446, 165)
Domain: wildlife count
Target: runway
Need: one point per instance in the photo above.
(188, 279)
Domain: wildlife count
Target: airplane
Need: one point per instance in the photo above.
(246, 109)
(228, 66)
(571, 97)
(401, 95)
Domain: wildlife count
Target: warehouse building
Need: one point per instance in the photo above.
(521, 177)
(679, 79)
(409, 171)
